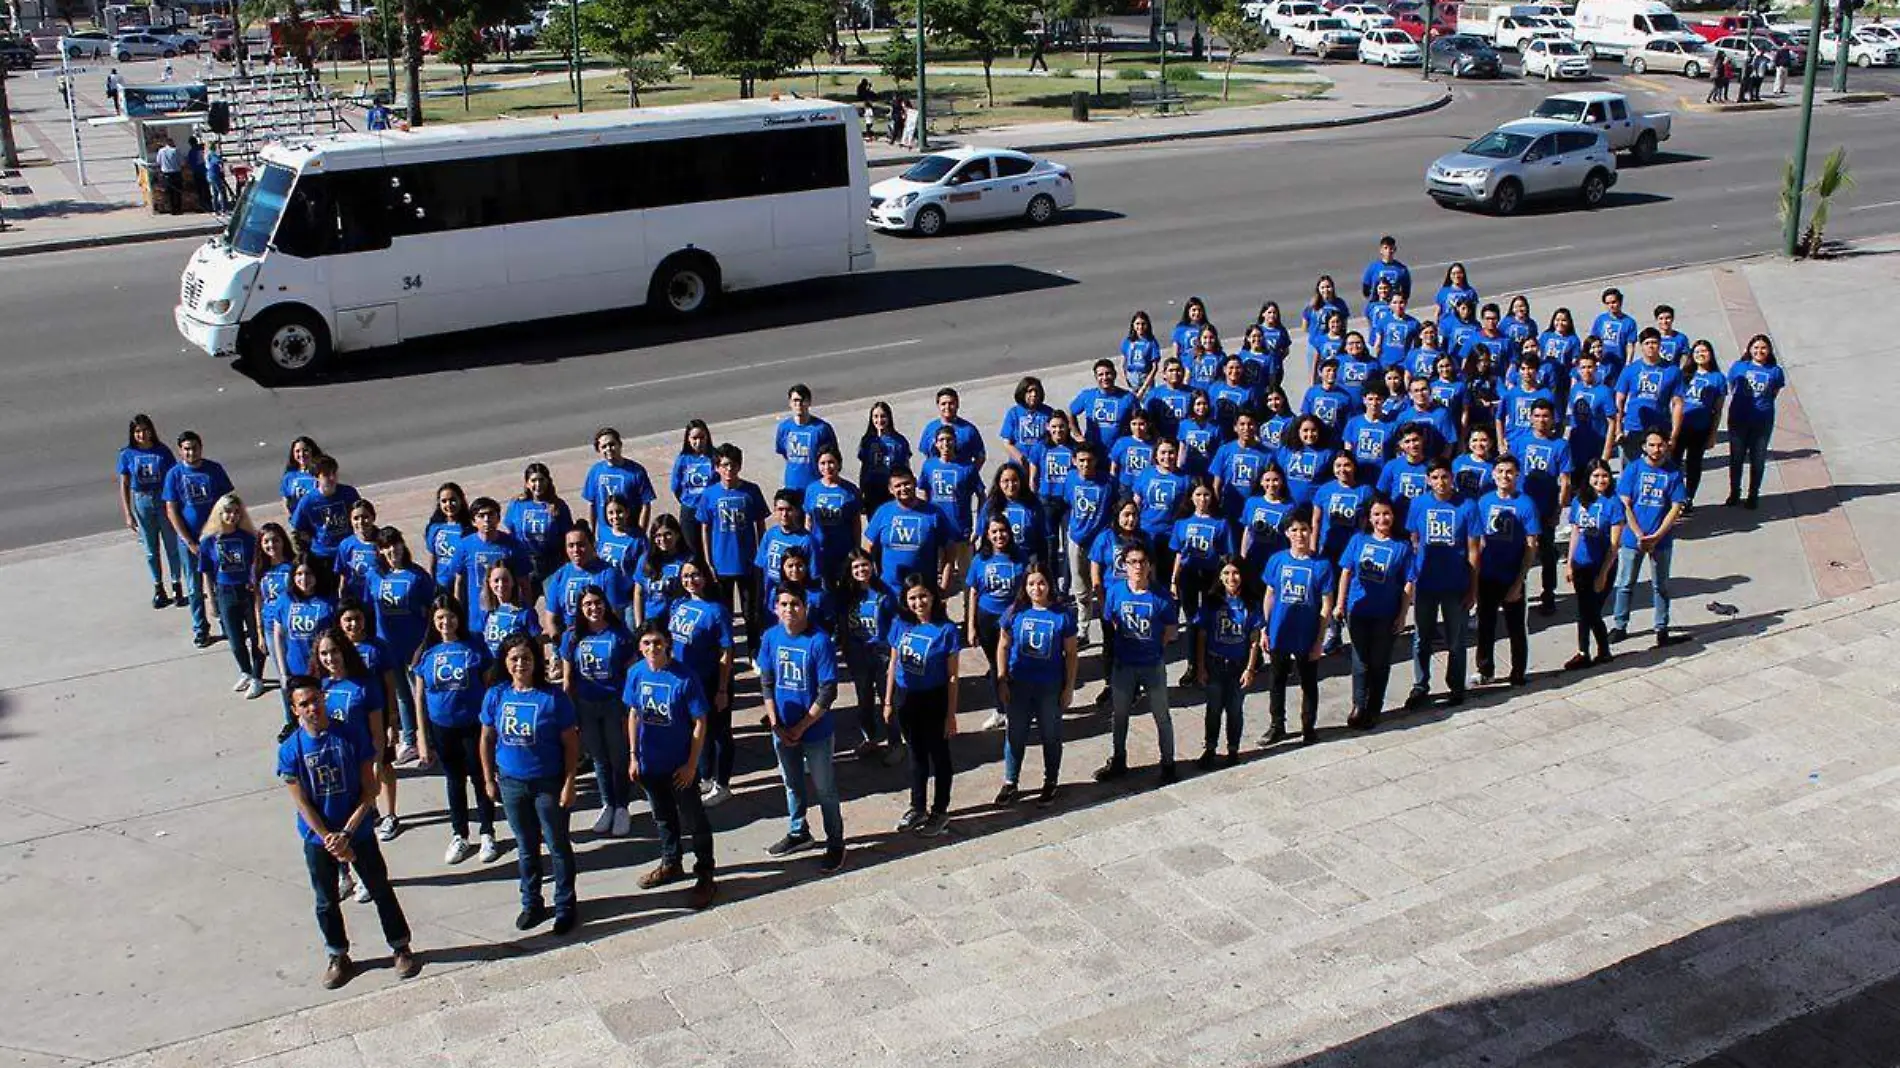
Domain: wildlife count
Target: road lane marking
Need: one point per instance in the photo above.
(1871, 207)
(1520, 254)
(744, 367)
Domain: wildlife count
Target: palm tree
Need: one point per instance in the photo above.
(1834, 178)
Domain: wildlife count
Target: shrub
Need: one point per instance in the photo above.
(1183, 74)
(1130, 74)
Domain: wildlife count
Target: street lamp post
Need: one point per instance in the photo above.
(923, 94)
(1791, 235)
(574, 42)
(1844, 21)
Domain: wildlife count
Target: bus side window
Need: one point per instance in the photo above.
(362, 214)
(305, 231)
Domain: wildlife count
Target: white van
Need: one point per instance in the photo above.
(1614, 27)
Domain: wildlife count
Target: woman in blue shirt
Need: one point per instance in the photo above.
(1279, 415)
(530, 754)
(1305, 458)
(1456, 289)
(448, 682)
(1036, 649)
(304, 612)
(865, 611)
(1226, 655)
(881, 449)
(1276, 339)
(227, 556)
(701, 628)
(299, 472)
(1324, 303)
(1141, 354)
(1596, 522)
(401, 594)
(920, 698)
(540, 519)
(1263, 364)
(353, 699)
(1199, 541)
(1025, 421)
(595, 654)
(1375, 593)
(141, 468)
(996, 574)
(1201, 435)
(656, 583)
(1051, 471)
(447, 526)
(504, 609)
(1704, 387)
(1299, 595)
(1757, 380)
(1260, 520)
(1517, 324)
(693, 470)
(356, 553)
(954, 489)
(274, 562)
(620, 541)
(1011, 500)
(1188, 330)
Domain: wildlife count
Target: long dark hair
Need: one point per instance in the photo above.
(1144, 317)
(1586, 494)
(650, 563)
(132, 431)
(1035, 567)
(984, 549)
(290, 547)
(1773, 360)
(354, 668)
(290, 455)
(919, 582)
(610, 621)
(686, 438)
(454, 489)
(386, 537)
(431, 638)
(527, 493)
(1189, 305)
(870, 424)
(509, 645)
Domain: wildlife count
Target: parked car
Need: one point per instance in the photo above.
(1675, 55)
(129, 46)
(1326, 37)
(1740, 49)
(1464, 56)
(1363, 17)
(1281, 15)
(1389, 47)
(1557, 57)
(1611, 115)
(1884, 30)
(964, 184)
(16, 54)
(1525, 159)
(86, 44)
(1863, 49)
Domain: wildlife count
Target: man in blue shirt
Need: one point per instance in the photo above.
(668, 708)
(1326, 401)
(801, 436)
(798, 681)
(907, 536)
(1104, 408)
(192, 488)
(331, 776)
(1617, 330)
(1370, 437)
(322, 516)
(476, 553)
(613, 475)
(1397, 335)
(969, 438)
(1091, 501)
(1544, 464)
(1387, 268)
(1445, 540)
(732, 518)
(1237, 465)
(1434, 419)
(1407, 476)
(1591, 412)
(1648, 396)
(1510, 530)
(1140, 621)
(1653, 494)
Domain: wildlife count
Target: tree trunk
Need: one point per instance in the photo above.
(989, 86)
(633, 90)
(9, 151)
(1227, 76)
(412, 62)
(464, 89)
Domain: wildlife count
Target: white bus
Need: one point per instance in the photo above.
(361, 240)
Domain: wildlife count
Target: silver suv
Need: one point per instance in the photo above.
(1526, 159)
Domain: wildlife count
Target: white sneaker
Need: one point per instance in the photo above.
(1479, 678)
(706, 787)
(362, 893)
(716, 796)
(490, 851)
(255, 688)
(347, 888)
(623, 823)
(459, 850)
(605, 821)
(243, 681)
(388, 827)
(995, 720)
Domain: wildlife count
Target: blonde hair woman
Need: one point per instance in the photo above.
(228, 564)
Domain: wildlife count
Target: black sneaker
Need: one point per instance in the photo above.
(1275, 735)
(1603, 657)
(1515, 679)
(1617, 634)
(1753, 502)
(832, 860)
(159, 598)
(1006, 795)
(566, 921)
(1104, 699)
(1417, 699)
(178, 597)
(912, 819)
(788, 844)
(1309, 738)
(935, 826)
(1231, 759)
(1208, 761)
(1457, 698)
(1112, 770)
(201, 639)
(1547, 605)
(1664, 638)
(529, 918)
(1169, 774)
(1047, 796)
(1733, 500)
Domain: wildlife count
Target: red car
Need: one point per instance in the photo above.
(1412, 24)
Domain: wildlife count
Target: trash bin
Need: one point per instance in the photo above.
(1079, 105)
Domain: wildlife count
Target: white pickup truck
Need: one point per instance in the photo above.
(1610, 112)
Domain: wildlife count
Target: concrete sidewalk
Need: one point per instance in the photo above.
(1369, 886)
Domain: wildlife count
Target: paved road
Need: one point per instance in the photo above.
(88, 338)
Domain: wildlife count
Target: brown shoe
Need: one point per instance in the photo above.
(703, 892)
(339, 972)
(665, 872)
(406, 962)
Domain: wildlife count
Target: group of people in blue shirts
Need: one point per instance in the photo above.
(1183, 499)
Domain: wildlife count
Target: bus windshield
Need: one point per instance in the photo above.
(257, 211)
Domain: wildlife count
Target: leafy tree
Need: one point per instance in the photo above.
(462, 47)
(751, 40)
(987, 27)
(631, 32)
(898, 60)
(1242, 35)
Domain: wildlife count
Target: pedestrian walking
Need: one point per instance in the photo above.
(1037, 61)
(1718, 81)
(112, 89)
(900, 111)
(215, 181)
(668, 706)
(1784, 59)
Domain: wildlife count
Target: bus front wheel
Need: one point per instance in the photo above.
(685, 285)
(286, 345)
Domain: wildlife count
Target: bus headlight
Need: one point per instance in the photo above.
(218, 307)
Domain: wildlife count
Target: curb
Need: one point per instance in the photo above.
(130, 237)
(1199, 135)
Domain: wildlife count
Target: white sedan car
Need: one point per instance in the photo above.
(1363, 17)
(1389, 48)
(967, 184)
(1557, 57)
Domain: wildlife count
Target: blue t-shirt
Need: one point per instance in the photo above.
(271, 587)
(1371, 442)
(953, 489)
(664, 703)
(1646, 390)
(1167, 406)
(1441, 533)
(908, 541)
(1299, 585)
(1161, 494)
(1130, 457)
(1139, 623)
(1398, 336)
(1230, 625)
(229, 558)
(607, 480)
(658, 579)
(702, 632)
(144, 469)
(474, 555)
(505, 622)
(294, 487)
(996, 578)
(832, 514)
(1561, 350)
(1305, 469)
(1403, 482)
(452, 686)
(563, 590)
(528, 726)
(969, 441)
(1238, 468)
(1674, 345)
(692, 473)
(620, 551)
(324, 521)
(1330, 406)
(1514, 408)
(867, 615)
(539, 525)
(1380, 569)
(195, 490)
(1471, 477)
(1199, 441)
(1342, 510)
(1591, 525)
(1618, 333)
(1506, 524)
(1651, 492)
(302, 619)
(771, 553)
(1090, 508)
(877, 455)
(800, 671)
(1261, 518)
(599, 660)
(800, 443)
(1027, 525)
(925, 653)
(1038, 638)
(351, 702)
(401, 599)
(1024, 427)
(1755, 388)
(355, 563)
(1200, 541)
(329, 768)
(1702, 399)
(442, 538)
(731, 517)
(1139, 356)
(1543, 461)
(1053, 467)
(1106, 413)
(1590, 410)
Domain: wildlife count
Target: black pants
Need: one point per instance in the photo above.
(988, 629)
(1590, 610)
(716, 756)
(372, 872)
(924, 715)
(459, 749)
(1490, 600)
(1690, 447)
(742, 592)
(1547, 557)
(1284, 666)
(677, 812)
(1372, 640)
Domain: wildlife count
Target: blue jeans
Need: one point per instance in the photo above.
(156, 535)
(1629, 568)
(1224, 698)
(1121, 688)
(237, 611)
(1430, 607)
(814, 759)
(535, 815)
(1042, 702)
(604, 740)
(188, 573)
(371, 871)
